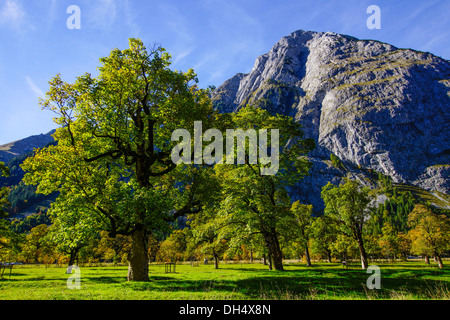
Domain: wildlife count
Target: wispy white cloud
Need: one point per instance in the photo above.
(408, 20)
(237, 39)
(12, 14)
(176, 22)
(435, 39)
(102, 13)
(52, 13)
(34, 88)
(183, 54)
(130, 18)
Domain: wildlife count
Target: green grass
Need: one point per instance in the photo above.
(410, 280)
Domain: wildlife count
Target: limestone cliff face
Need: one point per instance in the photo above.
(376, 107)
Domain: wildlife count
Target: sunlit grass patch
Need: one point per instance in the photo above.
(411, 280)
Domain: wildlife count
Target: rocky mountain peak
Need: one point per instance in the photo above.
(374, 106)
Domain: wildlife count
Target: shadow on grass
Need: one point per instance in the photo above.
(252, 282)
(104, 279)
(300, 284)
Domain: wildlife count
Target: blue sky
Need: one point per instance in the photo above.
(216, 38)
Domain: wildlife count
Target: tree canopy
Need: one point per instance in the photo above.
(349, 205)
(254, 203)
(113, 152)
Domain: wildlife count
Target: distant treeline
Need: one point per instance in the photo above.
(22, 197)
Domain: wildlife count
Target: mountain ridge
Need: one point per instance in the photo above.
(372, 105)
(20, 147)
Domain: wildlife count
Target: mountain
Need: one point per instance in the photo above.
(23, 199)
(372, 107)
(17, 148)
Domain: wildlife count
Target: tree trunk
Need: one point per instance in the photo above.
(427, 260)
(308, 258)
(216, 261)
(138, 256)
(405, 256)
(270, 260)
(73, 256)
(439, 261)
(362, 252)
(273, 246)
(329, 256)
(278, 260)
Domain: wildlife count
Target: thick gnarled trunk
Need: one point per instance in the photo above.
(273, 246)
(138, 256)
(73, 256)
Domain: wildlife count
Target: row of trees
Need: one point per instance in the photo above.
(306, 237)
(341, 232)
(41, 246)
(112, 168)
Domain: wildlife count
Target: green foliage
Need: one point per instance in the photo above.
(21, 197)
(111, 164)
(8, 240)
(37, 247)
(430, 233)
(3, 191)
(394, 211)
(24, 197)
(350, 206)
(259, 204)
(3, 169)
(336, 162)
(324, 234)
(389, 221)
(24, 225)
(206, 238)
(172, 249)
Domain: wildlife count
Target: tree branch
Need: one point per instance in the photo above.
(115, 154)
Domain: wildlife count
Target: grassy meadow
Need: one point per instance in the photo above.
(241, 281)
